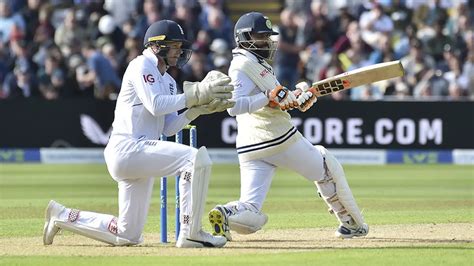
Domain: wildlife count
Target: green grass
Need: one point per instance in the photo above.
(394, 194)
(386, 257)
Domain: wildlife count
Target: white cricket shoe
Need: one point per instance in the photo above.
(346, 230)
(219, 222)
(201, 240)
(51, 215)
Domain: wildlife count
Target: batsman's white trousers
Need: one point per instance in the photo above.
(134, 164)
(256, 175)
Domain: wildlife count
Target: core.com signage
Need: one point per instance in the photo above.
(393, 125)
(353, 131)
(334, 124)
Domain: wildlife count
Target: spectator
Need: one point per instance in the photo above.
(314, 58)
(435, 44)
(357, 55)
(7, 58)
(186, 17)
(375, 23)
(219, 27)
(110, 32)
(197, 67)
(415, 62)
(21, 53)
(151, 13)
(319, 27)
(21, 83)
(287, 55)
(400, 15)
(202, 43)
(132, 49)
(401, 91)
(109, 51)
(431, 85)
(43, 36)
(92, 26)
(436, 12)
(426, 34)
(30, 14)
(401, 45)
(69, 33)
(51, 63)
(9, 20)
(100, 72)
(344, 41)
(121, 10)
(342, 21)
(207, 7)
(468, 73)
(458, 83)
(383, 51)
(52, 88)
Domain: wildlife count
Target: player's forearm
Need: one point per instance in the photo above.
(174, 123)
(248, 104)
(164, 104)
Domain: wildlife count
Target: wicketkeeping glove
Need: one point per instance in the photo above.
(214, 86)
(216, 105)
(281, 97)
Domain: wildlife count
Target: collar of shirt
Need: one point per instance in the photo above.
(252, 57)
(246, 53)
(149, 55)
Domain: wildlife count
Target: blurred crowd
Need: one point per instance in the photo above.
(55, 49)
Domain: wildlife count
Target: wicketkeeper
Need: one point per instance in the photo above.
(146, 108)
(267, 139)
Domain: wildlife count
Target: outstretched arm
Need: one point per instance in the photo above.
(248, 98)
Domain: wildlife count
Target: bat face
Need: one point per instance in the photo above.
(358, 77)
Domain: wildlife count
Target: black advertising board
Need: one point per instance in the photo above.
(375, 125)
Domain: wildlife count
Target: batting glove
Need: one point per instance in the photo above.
(281, 97)
(306, 96)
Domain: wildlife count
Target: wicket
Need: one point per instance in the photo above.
(164, 188)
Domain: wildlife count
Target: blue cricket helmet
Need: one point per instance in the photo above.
(163, 32)
(255, 22)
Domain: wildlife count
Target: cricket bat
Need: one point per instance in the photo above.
(358, 77)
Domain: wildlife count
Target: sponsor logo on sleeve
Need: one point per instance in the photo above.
(149, 78)
(264, 73)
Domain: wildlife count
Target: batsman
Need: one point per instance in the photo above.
(267, 139)
(147, 107)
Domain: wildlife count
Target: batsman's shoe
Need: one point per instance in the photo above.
(51, 215)
(201, 240)
(348, 231)
(219, 222)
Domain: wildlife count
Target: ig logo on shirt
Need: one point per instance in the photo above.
(149, 78)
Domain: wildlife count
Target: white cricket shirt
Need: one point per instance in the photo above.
(147, 104)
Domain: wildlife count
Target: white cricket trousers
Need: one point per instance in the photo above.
(134, 164)
(256, 175)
